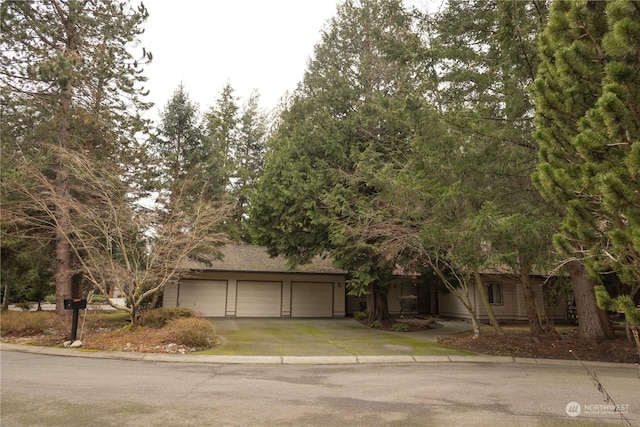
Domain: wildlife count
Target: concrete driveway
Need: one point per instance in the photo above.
(324, 337)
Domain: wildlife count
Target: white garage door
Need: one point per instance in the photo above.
(206, 297)
(309, 299)
(259, 299)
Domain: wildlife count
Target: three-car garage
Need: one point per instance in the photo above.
(246, 282)
(235, 297)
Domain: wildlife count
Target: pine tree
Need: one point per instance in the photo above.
(609, 145)
(67, 69)
(221, 133)
(585, 90)
(249, 161)
(486, 57)
(180, 145)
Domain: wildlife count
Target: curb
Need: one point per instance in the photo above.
(301, 360)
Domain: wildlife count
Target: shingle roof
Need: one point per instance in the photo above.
(250, 258)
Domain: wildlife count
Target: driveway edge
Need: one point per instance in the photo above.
(300, 360)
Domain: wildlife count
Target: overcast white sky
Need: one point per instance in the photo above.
(261, 44)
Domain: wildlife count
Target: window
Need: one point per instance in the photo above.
(494, 292)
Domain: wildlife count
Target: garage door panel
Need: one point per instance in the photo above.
(311, 299)
(259, 299)
(206, 297)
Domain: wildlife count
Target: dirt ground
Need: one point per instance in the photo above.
(518, 342)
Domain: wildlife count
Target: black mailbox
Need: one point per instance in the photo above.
(75, 304)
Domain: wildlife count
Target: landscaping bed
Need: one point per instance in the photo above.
(567, 345)
(108, 331)
(518, 342)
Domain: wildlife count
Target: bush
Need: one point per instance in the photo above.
(25, 323)
(400, 327)
(160, 317)
(192, 332)
(359, 315)
(24, 305)
(104, 319)
(376, 324)
(98, 299)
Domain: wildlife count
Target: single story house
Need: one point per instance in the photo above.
(247, 282)
(506, 298)
(410, 294)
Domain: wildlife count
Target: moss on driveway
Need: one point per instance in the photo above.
(318, 337)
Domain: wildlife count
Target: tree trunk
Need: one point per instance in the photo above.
(590, 324)
(607, 326)
(476, 326)
(154, 300)
(466, 301)
(5, 297)
(474, 316)
(63, 264)
(485, 302)
(377, 307)
(529, 297)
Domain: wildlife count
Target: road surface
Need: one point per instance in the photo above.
(46, 390)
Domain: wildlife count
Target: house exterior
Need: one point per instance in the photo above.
(408, 294)
(506, 297)
(247, 282)
(412, 295)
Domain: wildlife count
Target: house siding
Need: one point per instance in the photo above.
(450, 306)
(513, 307)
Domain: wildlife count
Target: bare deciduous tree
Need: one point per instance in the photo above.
(119, 242)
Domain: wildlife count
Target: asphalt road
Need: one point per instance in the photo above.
(46, 390)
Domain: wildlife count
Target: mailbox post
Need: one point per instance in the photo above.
(75, 304)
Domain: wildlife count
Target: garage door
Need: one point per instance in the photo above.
(309, 299)
(259, 299)
(206, 297)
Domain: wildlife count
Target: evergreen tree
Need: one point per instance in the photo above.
(221, 133)
(609, 145)
(486, 56)
(67, 70)
(353, 111)
(249, 161)
(180, 145)
(584, 92)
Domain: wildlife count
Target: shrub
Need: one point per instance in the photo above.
(400, 327)
(376, 324)
(24, 323)
(50, 299)
(194, 332)
(160, 317)
(359, 315)
(24, 305)
(103, 319)
(98, 299)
